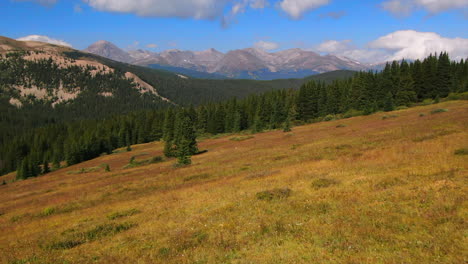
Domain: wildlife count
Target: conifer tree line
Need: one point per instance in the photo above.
(399, 84)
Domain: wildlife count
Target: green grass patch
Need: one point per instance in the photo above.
(117, 215)
(437, 111)
(389, 116)
(323, 183)
(241, 138)
(136, 163)
(75, 238)
(274, 194)
(85, 170)
(461, 152)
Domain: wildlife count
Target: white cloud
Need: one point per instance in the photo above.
(198, 9)
(334, 46)
(403, 44)
(405, 7)
(296, 8)
(239, 7)
(152, 46)
(417, 45)
(266, 45)
(45, 39)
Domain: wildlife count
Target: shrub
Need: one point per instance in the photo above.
(352, 113)
(440, 110)
(3, 182)
(389, 116)
(462, 151)
(48, 211)
(427, 102)
(422, 114)
(323, 183)
(241, 138)
(329, 118)
(106, 167)
(157, 159)
(341, 125)
(278, 193)
(401, 107)
(458, 96)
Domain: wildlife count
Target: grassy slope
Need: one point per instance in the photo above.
(399, 197)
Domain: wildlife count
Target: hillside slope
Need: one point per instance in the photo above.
(361, 190)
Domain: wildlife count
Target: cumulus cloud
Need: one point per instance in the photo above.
(45, 39)
(152, 46)
(417, 45)
(297, 8)
(403, 44)
(266, 45)
(405, 7)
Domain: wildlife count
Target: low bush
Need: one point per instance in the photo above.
(401, 107)
(48, 211)
(278, 193)
(462, 151)
(77, 238)
(135, 163)
(85, 170)
(389, 116)
(440, 110)
(352, 113)
(323, 183)
(341, 125)
(329, 118)
(241, 138)
(422, 114)
(458, 96)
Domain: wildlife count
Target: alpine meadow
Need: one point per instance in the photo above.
(240, 131)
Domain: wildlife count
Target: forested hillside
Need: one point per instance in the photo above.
(400, 84)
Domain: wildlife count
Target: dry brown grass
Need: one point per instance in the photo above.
(372, 191)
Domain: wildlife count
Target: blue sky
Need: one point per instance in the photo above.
(344, 27)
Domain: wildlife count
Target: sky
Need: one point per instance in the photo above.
(369, 31)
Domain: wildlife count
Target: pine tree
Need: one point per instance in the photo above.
(45, 167)
(389, 105)
(185, 138)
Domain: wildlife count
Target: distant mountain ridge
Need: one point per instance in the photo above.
(250, 63)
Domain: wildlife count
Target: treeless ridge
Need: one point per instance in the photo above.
(371, 191)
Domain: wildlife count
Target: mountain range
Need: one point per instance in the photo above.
(250, 63)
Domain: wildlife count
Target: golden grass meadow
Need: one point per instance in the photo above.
(384, 188)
